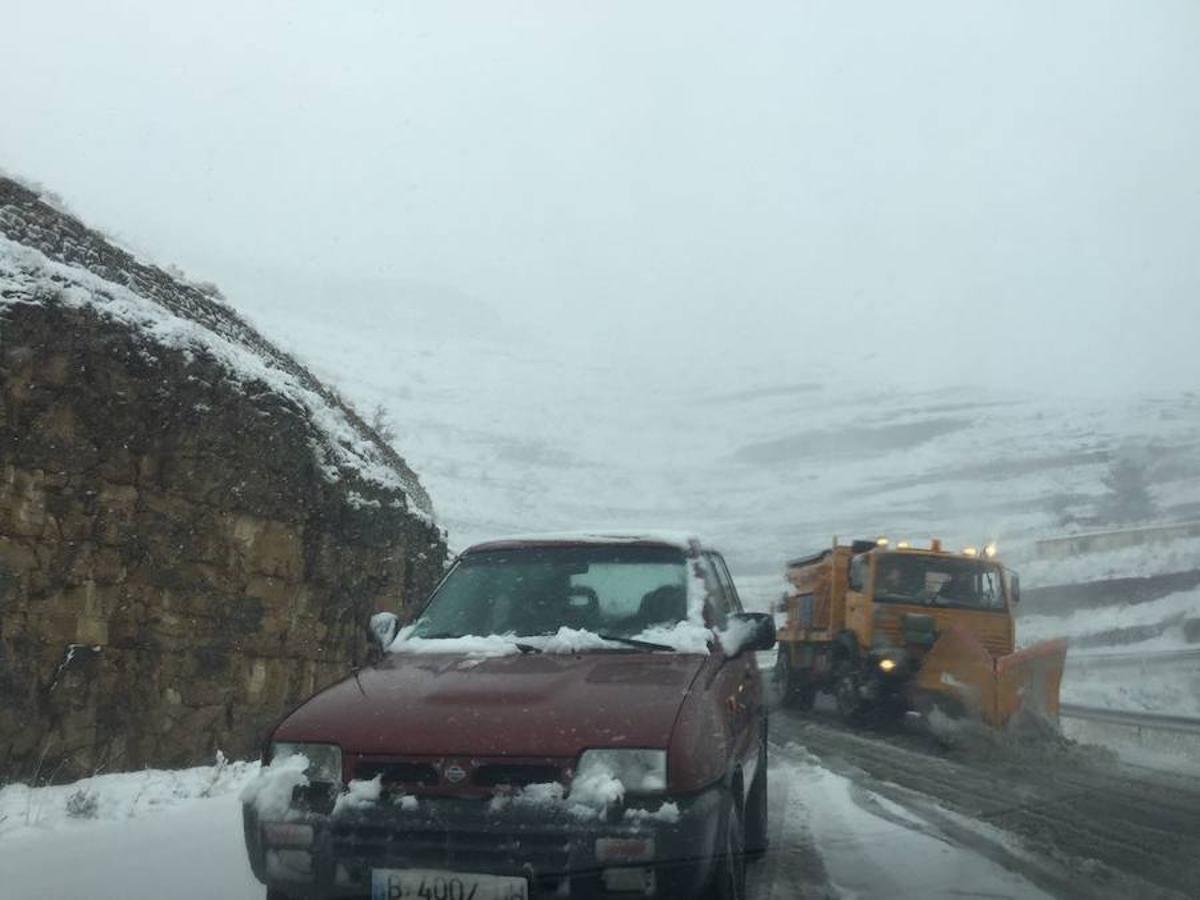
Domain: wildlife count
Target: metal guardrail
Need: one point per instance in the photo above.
(1082, 543)
(1098, 658)
(1139, 720)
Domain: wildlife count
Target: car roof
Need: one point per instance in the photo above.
(679, 540)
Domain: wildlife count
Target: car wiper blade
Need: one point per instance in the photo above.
(450, 636)
(634, 642)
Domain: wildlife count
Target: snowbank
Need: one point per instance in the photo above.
(147, 834)
(117, 797)
(1168, 612)
(1126, 682)
(1179, 555)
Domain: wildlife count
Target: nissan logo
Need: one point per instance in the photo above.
(454, 773)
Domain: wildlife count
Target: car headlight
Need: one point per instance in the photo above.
(324, 760)
(639, 771)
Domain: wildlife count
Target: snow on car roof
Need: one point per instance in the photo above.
(682, 540)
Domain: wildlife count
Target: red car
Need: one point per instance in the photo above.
(567, 716)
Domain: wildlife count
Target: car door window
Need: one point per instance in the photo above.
(733, 600)
(719, 591)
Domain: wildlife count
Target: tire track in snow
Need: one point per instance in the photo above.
(1097, 826)
(875, 847)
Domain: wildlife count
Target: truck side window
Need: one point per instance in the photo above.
(860, 567)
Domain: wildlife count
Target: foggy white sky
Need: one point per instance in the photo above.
(988, 192)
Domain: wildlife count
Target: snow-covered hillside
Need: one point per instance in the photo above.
(512, 432)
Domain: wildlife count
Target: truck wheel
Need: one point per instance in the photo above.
(850, 704)
(795, 692)
(805, 697)
(782, 677)
(756, 808)
(729, 879)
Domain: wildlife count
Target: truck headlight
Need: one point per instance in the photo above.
(887, 664)
(639, 771)
(324, 760)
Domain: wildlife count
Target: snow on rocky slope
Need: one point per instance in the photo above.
(46, 256)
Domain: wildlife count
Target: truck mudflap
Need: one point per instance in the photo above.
(959, 672)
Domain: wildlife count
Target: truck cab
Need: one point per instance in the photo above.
(885, 626)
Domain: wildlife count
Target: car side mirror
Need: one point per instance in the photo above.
(383, 628)
(1014, 587)
(748, 631)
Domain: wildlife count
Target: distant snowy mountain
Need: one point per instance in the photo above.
(515, 433)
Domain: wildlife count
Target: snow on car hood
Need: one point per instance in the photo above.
(525, 705)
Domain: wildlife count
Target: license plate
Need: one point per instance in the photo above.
(433, 884)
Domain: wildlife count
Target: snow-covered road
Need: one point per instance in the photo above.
(174, 834)
(852, 815)
(154, 835)
(833, 838)
(191, 852)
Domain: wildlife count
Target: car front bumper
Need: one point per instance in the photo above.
(635, 851)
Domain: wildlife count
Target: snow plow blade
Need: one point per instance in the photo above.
(958, 674)
(1029, 680)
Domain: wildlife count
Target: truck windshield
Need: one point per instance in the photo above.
(619, 591)
(938, 581)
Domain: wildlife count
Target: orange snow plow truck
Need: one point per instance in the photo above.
(888, 627)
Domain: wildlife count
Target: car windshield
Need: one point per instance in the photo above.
(617, 591)
(938, 581)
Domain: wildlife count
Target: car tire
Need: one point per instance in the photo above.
(729, 878)
(757, 838)
(273, 894)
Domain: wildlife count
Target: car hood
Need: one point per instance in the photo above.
(534, 705)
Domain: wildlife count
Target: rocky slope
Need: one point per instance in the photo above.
(193, 529)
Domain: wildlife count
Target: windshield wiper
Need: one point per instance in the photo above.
(634, 642)
(450, 636)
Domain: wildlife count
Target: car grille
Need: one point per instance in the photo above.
(497, 774)
(397, 773)
(460, 776)
(469, 850)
